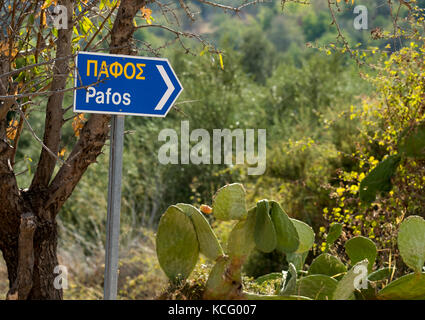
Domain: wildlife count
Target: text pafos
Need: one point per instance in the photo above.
(129, 70)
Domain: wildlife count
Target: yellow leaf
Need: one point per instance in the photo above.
(4, 49)
(78, 124)
(46, 4)
(221, 61)
(62, 152)
(12, 129)
(147, 15)
(43, 18)
(205, 50)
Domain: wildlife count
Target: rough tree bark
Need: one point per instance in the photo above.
(28, 229)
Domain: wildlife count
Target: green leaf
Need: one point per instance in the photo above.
(411, 242)
(317, 287)
(229, 203)
(346, 286)
(31, 20)
(327, 264)
(286, 233)
(334, 233)
(412, 143)
(360, 248)
(305, 235)
(208, 242)
(176, 244)
(379, 179)
(408, 287)
(264, 234)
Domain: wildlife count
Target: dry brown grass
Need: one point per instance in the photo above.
(140, 275)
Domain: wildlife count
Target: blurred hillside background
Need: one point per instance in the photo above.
(277, 75)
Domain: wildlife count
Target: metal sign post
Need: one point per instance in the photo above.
(114, 208)
(121, 85)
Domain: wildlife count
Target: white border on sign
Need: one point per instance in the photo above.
(123, 113)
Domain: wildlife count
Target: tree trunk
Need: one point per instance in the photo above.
(45, 261)
(30, 256)
(39, 285)
(28, 237)
(28, 228)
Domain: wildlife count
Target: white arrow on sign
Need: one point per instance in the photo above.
(170, 88)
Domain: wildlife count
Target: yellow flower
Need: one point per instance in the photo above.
(340, 191)
(354, 189)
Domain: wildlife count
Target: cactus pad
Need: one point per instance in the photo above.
(327, 264)
(229, 203)
(286, 233)
(208, 242)
(176, 244)
(345, 288)
(265, 233)
(411, 242)
(241, 239)
(359, 248)
(317, 287)
(408, 287)
(305, 235)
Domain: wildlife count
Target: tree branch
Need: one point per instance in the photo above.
(53, 122)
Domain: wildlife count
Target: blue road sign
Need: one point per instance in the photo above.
(124, 85)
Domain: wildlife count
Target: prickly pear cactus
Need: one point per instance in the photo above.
(346, 286)
(407, 287)
(265, 232)
(411, 242)
(359, 248)
(229, 203)
(305, 235)
(177, 245)
(208, 242)
(327, 264)
(241, 239)
(317, 287)
(287, 240)
(184, 232)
